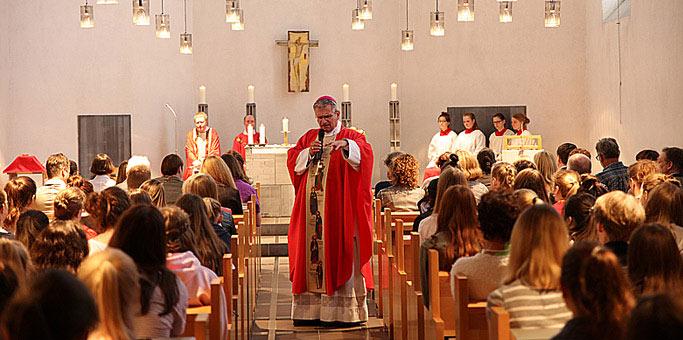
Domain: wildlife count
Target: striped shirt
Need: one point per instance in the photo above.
(530, 308)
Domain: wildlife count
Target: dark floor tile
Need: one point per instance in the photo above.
(298, 336)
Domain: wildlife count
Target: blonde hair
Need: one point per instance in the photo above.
(112, 278)
(546, 164)
(469, 165)
(619, 213)
(525, 197)
(539, 240)
(505, 174)
(215, 167)
(156, 192)
(201, 185)
(651, 181)
(567, 182)
(200, 114)
(641, 169)
(68, 203)
(213, 208)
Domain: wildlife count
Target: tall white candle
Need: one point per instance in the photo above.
(202, 94)
(394, 90)
(262, 134)
(345, 92)
(285, 124)
(250, 94)
(250, 134)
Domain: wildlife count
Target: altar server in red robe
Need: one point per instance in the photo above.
(330, 231)
(240, 141)
(201, 142)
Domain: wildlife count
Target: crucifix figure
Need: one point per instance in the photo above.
(298, 48)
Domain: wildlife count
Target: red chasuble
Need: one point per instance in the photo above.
(348, 202)
(240, 142)
(213, 148)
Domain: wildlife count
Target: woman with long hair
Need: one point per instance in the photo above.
(532, 180)
(227, 191)
(597, 291)
(29, 225)
(637, 173)
(531, 291)
(457, 234)
(163, 297)
(113, 279)
(15, 269)
(652, 181)
(577, 211)
(242, 183)
(210, 248)
(471, 139)
(665, 205)
(546, 164)
(21, 192)
(105, 207)
(503, 177)
(566, 184)
(469, 165)
(404, 193)
(449, 177)
(654, 262)
(155, 189)
(61, 246)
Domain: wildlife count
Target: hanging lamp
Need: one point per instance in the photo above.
(185, 38)
(141, 12)
(505, 14)
(366, 10)
(357, 23)
(407, 36)
(436, 22)
(232, 13)
(552, 13)
(238, 26)
(87, 16)
(465, 10)
(163, 24)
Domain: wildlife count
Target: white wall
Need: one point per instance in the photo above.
(4, 84)
(59, 70)
(652, 91)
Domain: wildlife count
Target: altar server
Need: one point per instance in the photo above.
(471, 139)
(496, 138)
(519, 124)
(443, 141)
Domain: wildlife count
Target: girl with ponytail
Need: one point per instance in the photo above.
(21, 192)
(106, 207)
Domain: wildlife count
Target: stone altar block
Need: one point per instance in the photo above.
(268, 166)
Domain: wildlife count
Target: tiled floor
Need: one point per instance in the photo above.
(273, 310)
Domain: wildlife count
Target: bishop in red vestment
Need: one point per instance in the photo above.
(240, 141)
(330, 231)
(201, 142)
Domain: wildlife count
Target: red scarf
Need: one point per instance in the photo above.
(501, 132)
(519, 132)
(444, 133)
(468, 131)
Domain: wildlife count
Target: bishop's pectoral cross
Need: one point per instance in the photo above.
(298, 48)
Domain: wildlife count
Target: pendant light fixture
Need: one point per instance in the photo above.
(436, 24)
(552, 13)
(232, 11)
(141, 12)
(107, 2)
(163, 24)
(465, 10)
(366, 10)
(238, 26)
(357, 23)
(505, 14)
(87, 16)
(407, 36)
(185, 38)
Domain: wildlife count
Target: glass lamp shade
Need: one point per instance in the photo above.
(141, 12)
(436, 24)
(552, 14)
(87, 17)
(186, 43)
(107, 2)
(465, 10)
(238, 26)
(366, 10)
(505, 14)
(163, 26)
(357, 23)
(232, 11)
(407, 40)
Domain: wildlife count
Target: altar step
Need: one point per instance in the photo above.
(274, 237)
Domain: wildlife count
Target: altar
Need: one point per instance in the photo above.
(267, 165)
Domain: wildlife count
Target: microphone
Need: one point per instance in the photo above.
(319, 155)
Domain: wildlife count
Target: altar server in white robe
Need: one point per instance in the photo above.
(519, 124)
(443, 141)
(496, 138)
(471, 139)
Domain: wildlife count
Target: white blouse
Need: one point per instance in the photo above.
(471, 142)
(439, 145)
(496, 142)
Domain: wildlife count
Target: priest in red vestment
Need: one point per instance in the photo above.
(201, 142)
(330, 231)
(240, 142)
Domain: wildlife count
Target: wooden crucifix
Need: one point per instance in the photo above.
(298, 48)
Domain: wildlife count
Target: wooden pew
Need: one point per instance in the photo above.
(228, 292)
(400, 278)
(470, 316)
(216, 312)
(378, 250)
(415, 306)
(242, 331)
(498, 323)
(434, 324)
(201, 327)
(388, 295)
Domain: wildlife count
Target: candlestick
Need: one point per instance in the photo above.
(285, 124)
(285, 138)
(202, 94)
(345, 92)
(262, 134)
(250, 94)
(250, 134)
(394, 90)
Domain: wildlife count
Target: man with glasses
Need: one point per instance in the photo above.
(330, 231)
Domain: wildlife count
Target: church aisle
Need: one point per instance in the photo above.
(273, 310)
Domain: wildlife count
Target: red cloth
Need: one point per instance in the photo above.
(519, 132)
(240, 142)
(191, 150)
(432, 172)
(348, 202)
(501, 132)
(468, 131)
(444, 133)
(24, 163)
(89, 233)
